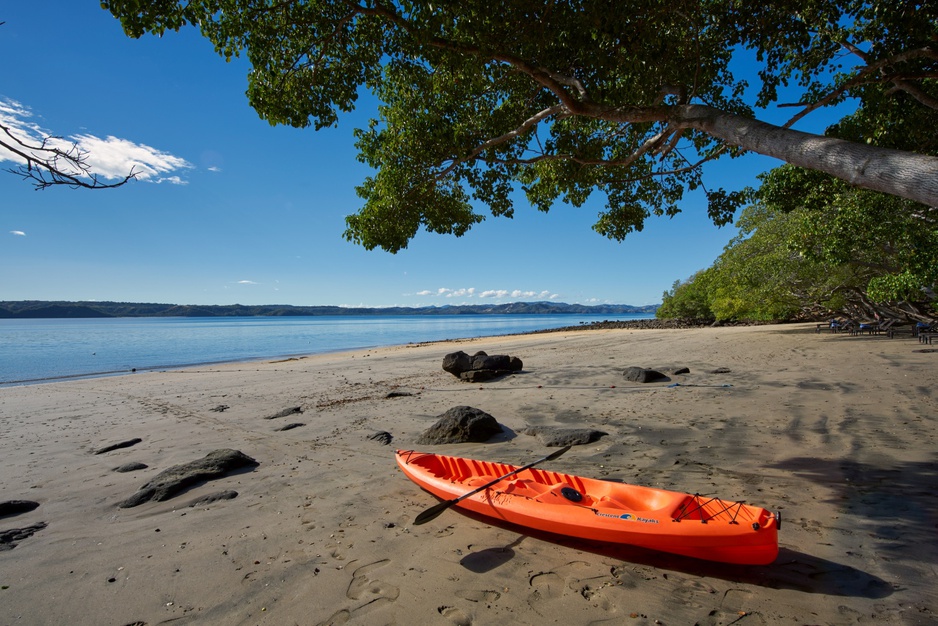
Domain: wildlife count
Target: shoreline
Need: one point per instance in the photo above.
(630, 324)
(140, 354)
(837, 432)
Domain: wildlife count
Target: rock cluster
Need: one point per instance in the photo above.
(480, 366)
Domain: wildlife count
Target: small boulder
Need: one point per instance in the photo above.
(293, 410)
(554, 437)
(169, 482)
(382, 436)
(643, 375)
(118, 446)
(16, 507)
(130, 467)
(480, 376)
(8, 538)
(456, 363)
(461, 424)
(290, 426)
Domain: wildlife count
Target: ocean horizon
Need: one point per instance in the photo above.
(51, 349)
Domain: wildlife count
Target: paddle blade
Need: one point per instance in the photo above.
(433, 512)
(551, 457)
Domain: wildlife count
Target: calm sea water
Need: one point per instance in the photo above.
(39, 350)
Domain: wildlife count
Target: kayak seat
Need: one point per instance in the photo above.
(638, 499)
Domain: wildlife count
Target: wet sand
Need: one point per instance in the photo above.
(838, 433)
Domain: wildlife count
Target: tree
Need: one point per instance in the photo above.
(891, 244)
(688, 299)
(761, 275)
(566, 98)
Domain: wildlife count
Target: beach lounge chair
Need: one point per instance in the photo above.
(835, 325)
(874, 328)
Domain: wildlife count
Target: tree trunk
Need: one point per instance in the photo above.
(905, 174)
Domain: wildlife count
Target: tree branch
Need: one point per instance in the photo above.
(864, 77)
(47, 167)
(534, 120)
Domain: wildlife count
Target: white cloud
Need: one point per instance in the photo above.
(246, 282)
(494, 293)
(214, 168)
(499, 294)
(450, 293)
(110, 158)
(461, 293)
(18, 233)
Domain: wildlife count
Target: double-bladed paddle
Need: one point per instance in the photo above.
(434, 511)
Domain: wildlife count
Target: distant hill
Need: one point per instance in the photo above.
(42, 309)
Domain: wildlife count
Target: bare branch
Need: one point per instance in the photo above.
(865, 76)
(49, 166)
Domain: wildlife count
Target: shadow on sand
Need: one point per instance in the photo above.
(792, 570)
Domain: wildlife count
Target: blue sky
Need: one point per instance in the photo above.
(232, 210)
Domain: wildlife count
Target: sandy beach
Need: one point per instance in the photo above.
(836, 432)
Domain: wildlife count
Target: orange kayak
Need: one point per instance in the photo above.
(668, 521)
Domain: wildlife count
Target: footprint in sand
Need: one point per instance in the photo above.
(362, 584)
(456, 616)
(368, 592)
(694, 593)
(546, 586)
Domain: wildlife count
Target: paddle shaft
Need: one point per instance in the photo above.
(435, 511)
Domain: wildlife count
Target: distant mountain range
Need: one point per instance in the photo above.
(43, 309)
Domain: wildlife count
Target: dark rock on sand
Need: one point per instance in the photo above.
(398, 394)
(680, 370)
(554, 437)
(382, 436)
(482, 361)
(118, 446)
(169, 482)
(130, 467)
(16, 507)
(457, 362)
(721, 370)
(290, 426)
(480, 366)
(643, 375)
(221, 408)
(8, 538)
(461, 424)
(215, 497)
(284, 413)
(480, 376)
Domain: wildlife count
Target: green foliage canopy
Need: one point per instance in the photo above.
(564, 99)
